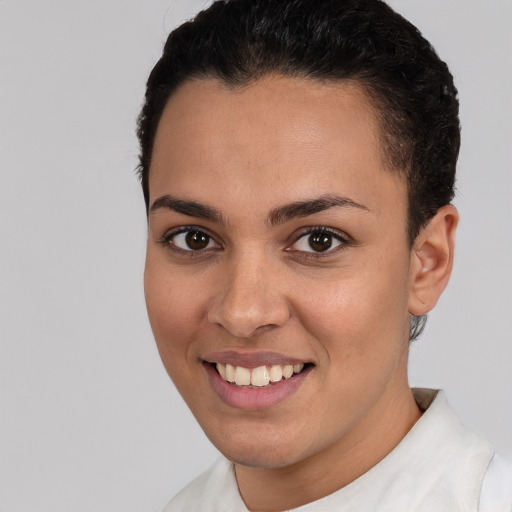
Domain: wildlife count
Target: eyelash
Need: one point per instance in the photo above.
(168, 238)
(343, 239)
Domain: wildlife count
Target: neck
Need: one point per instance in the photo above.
(378, 433)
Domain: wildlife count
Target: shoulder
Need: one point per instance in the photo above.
(215, 489)
(496, 494)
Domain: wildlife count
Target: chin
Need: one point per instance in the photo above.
(261, 457)
(263, 448)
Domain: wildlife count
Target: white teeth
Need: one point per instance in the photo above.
(257, 377)
(276, 373)
(242, 376)
(221, 368)
(297, 368)
(260, 376)
(230, 373)
(287, 371)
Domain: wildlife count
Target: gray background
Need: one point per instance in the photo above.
(88, 418)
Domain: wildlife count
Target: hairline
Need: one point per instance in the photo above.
(370, 95)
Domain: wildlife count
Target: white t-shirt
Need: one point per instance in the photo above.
(439, 466)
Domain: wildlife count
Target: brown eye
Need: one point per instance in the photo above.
(197, 240)
(191, 240)
(320, 242)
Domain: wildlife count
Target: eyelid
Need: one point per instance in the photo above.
(166, 239)
(344, 239)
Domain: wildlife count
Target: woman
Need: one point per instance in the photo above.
(298, 164)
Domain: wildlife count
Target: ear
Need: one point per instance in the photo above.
(432, 260)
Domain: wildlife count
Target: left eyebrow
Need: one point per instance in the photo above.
(187, 207)
(311, 206)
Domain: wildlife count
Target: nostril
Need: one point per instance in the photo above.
(248, 322)
(243, 325)
(249, 302)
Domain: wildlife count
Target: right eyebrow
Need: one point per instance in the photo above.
(310, 207)
(187, 207)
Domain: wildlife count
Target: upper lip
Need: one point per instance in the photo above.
(251, 359)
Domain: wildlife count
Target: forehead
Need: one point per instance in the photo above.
(287, 134)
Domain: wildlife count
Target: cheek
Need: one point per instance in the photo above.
(359, 312)
(175, 312)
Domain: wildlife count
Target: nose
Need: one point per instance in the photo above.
(249, 300)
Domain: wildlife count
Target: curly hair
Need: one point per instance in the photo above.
(363, 41)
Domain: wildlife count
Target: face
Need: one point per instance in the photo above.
(277, 258)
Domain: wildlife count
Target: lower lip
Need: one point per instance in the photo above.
(255, 398)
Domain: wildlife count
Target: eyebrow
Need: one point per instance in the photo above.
(276, 217)
(311, 206)
(188, 207)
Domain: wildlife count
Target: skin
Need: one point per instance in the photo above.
(259, 286)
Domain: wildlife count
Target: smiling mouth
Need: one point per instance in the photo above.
(262, 376)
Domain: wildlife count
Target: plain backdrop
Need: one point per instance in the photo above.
(89, 420)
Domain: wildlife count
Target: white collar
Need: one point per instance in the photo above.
(434, 468)
(438, 466)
